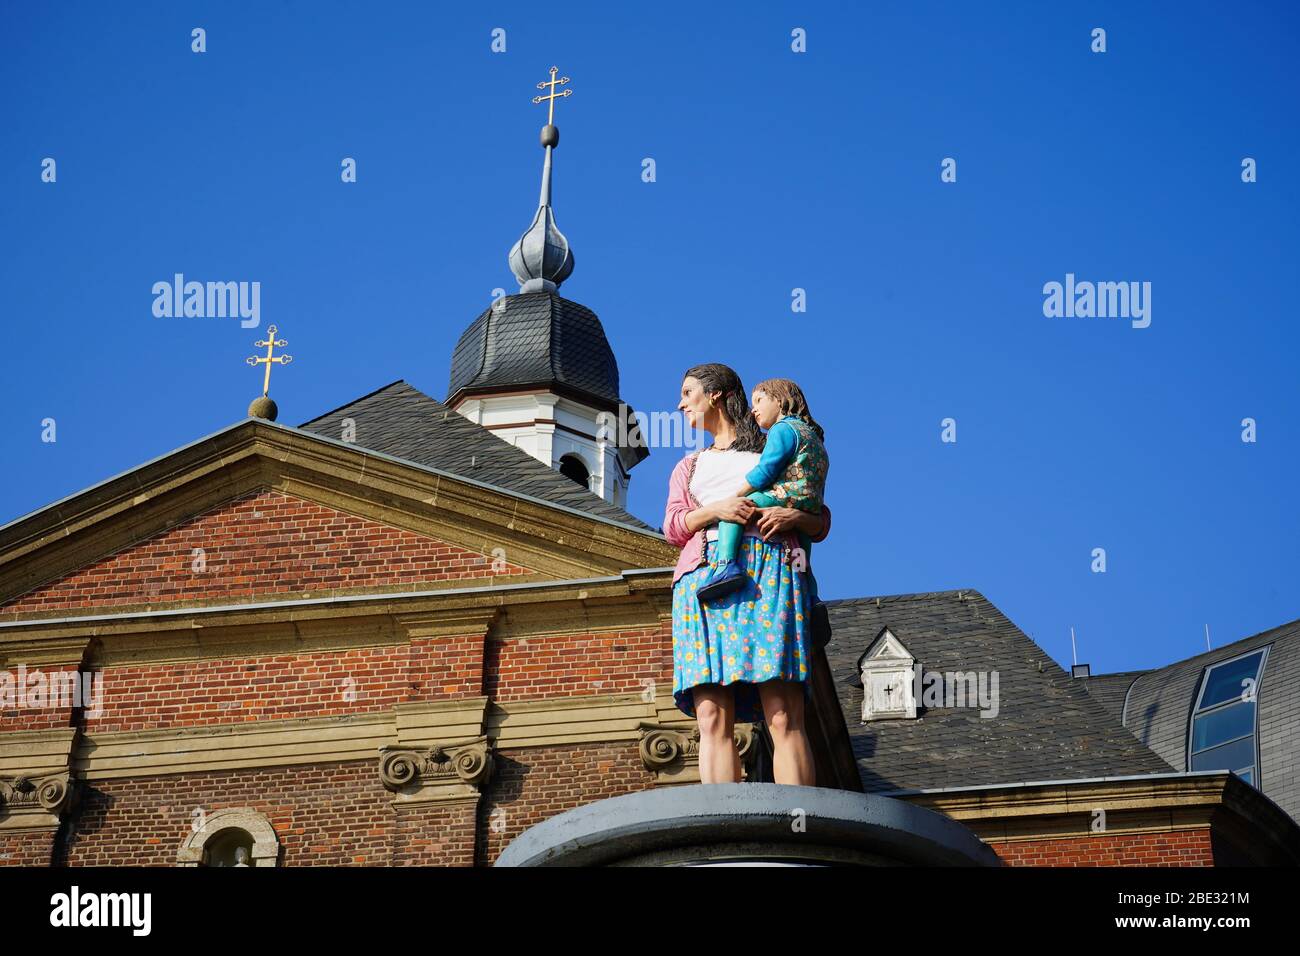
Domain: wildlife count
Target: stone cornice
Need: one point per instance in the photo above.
(1140, 804)
(580, 612)
(454, 621)
(36, 753)
(252, 455)
(415, 725)
(274, 743)
(51, 651)
(305, 626)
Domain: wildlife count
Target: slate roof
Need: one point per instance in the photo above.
(1158, 705)
(1047, 726)
(535, 338)
(1109, 690)
(402, 421)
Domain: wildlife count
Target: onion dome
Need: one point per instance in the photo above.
(541, 258)
(536, 339)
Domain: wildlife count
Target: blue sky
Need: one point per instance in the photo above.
(775, 171)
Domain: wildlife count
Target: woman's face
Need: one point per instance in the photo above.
(766, 410)
(695, 402)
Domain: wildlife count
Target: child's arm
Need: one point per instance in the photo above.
(782, 443)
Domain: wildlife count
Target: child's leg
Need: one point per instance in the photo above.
(728, 541)
(729, 532)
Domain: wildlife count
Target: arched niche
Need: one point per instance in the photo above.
(223, 830)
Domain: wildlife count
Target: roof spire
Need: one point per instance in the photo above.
(541, 259)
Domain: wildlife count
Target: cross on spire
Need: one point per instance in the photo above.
(271, 343)
(551, 97)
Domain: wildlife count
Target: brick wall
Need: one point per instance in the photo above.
(265, 543)
(337, 814)
(1167, 848)
(365, 680)
(340, 814)
(320, 684)
(323, 814)
(19, 688)
(26, 849)
(609, 662)
(532, 785)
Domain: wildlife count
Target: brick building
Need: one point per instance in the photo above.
(406, 631)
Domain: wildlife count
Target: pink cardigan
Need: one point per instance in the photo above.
(681, 502)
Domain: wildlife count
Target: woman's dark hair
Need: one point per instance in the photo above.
(734, 404)
(789, 396)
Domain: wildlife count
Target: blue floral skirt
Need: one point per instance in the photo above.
(758, 633)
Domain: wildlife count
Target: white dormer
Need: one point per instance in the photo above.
(887, 670)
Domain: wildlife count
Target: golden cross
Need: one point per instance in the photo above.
(268, 361)
(552, 96)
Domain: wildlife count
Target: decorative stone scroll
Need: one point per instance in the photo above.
(664, 748)
(450, 771)
(36, 802)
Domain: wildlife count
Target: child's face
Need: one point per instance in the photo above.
(766, 410)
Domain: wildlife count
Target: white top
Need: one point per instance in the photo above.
(718, 475)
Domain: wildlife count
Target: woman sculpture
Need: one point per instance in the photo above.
(744, 657)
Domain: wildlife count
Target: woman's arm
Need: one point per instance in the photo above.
(676, 530)
(681, 520)
(775, 520)
(739, 510)
(824, 530)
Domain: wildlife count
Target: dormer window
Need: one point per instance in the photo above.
(1225, 716)
(887, 672)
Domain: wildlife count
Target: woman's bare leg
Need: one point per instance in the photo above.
(792, 758)
(715, 710)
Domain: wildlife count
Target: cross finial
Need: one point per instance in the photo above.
(551, 97)
(271, 343)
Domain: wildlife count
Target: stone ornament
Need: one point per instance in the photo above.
(54, 794)
(442, 772)
(662, 746)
